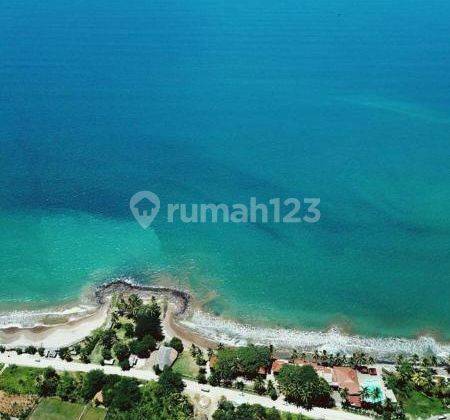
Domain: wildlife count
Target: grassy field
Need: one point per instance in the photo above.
(93, 413)
(419, 405)
(291, 416)
(55, 409)
(185, 365)
(19, 380)
(96, 355)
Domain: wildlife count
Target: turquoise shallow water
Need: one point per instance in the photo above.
(218, 102)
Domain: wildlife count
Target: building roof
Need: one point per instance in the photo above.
(99, 397)
(278, 364)
(346, 377)
(165, 356)
(354, 400)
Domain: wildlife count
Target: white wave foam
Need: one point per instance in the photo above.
(234, 333)
(29, 319)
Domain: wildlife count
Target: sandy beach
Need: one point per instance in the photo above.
(61, 335)
(184, 318)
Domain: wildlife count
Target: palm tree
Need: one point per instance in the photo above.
(370, 360)
(324, 357)
(239, 385)
(134, 304)
(365, 393)
(419, 379)
(433, 360)
(415, 359)
(376, 395)
(425, 362)
(316, 356)
(343, 392)
(294, 355)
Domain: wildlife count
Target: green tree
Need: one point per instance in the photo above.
(301, 385)
(109, 338)
(30, 350)
(64, 354)
(93, 382)
(176, 344)
(134, 305)
(258, 385)
(129, 329)
(143, 347)
(123, 395)
(170, 381)
(121, 351)
(148, 321)
(47, 382)
(67, 387)
(271, 391)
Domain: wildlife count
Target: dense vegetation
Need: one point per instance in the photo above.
(241, 361)
(228, 411)
(302, 386)
(419, 390)
(135, 329)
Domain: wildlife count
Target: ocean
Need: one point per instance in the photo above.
(217, 102)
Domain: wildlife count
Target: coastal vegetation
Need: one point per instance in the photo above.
(241, 361)
(20, 380)
(228, 411)
(302, 386)
(135, 328)
(419, 390)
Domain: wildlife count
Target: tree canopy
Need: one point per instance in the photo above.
(301, 385)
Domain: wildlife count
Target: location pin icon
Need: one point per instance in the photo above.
(144, 206)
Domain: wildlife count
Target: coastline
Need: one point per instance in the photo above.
(185, 318)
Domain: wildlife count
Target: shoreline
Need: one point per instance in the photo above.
(185, 318)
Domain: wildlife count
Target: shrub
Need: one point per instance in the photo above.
(124, 364)
(176, 344)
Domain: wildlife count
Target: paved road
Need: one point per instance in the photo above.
(192, 388)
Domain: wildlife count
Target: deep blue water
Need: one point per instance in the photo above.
(217, 102)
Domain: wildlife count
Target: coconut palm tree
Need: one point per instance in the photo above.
(316, 356)
(365, 393)
(400, 359)
(425, 362)
(134, 304)
(415, 359)
(343, 392)
(294, 355)
(376, 394)
(324, 357)
(419, 379)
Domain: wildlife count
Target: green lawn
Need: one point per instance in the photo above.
(185, 365)
(55, 409)
(94, 414)
(419, 405)
(96, 355)
(291, 416)
(19, 380)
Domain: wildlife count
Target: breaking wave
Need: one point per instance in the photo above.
(333, 340)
